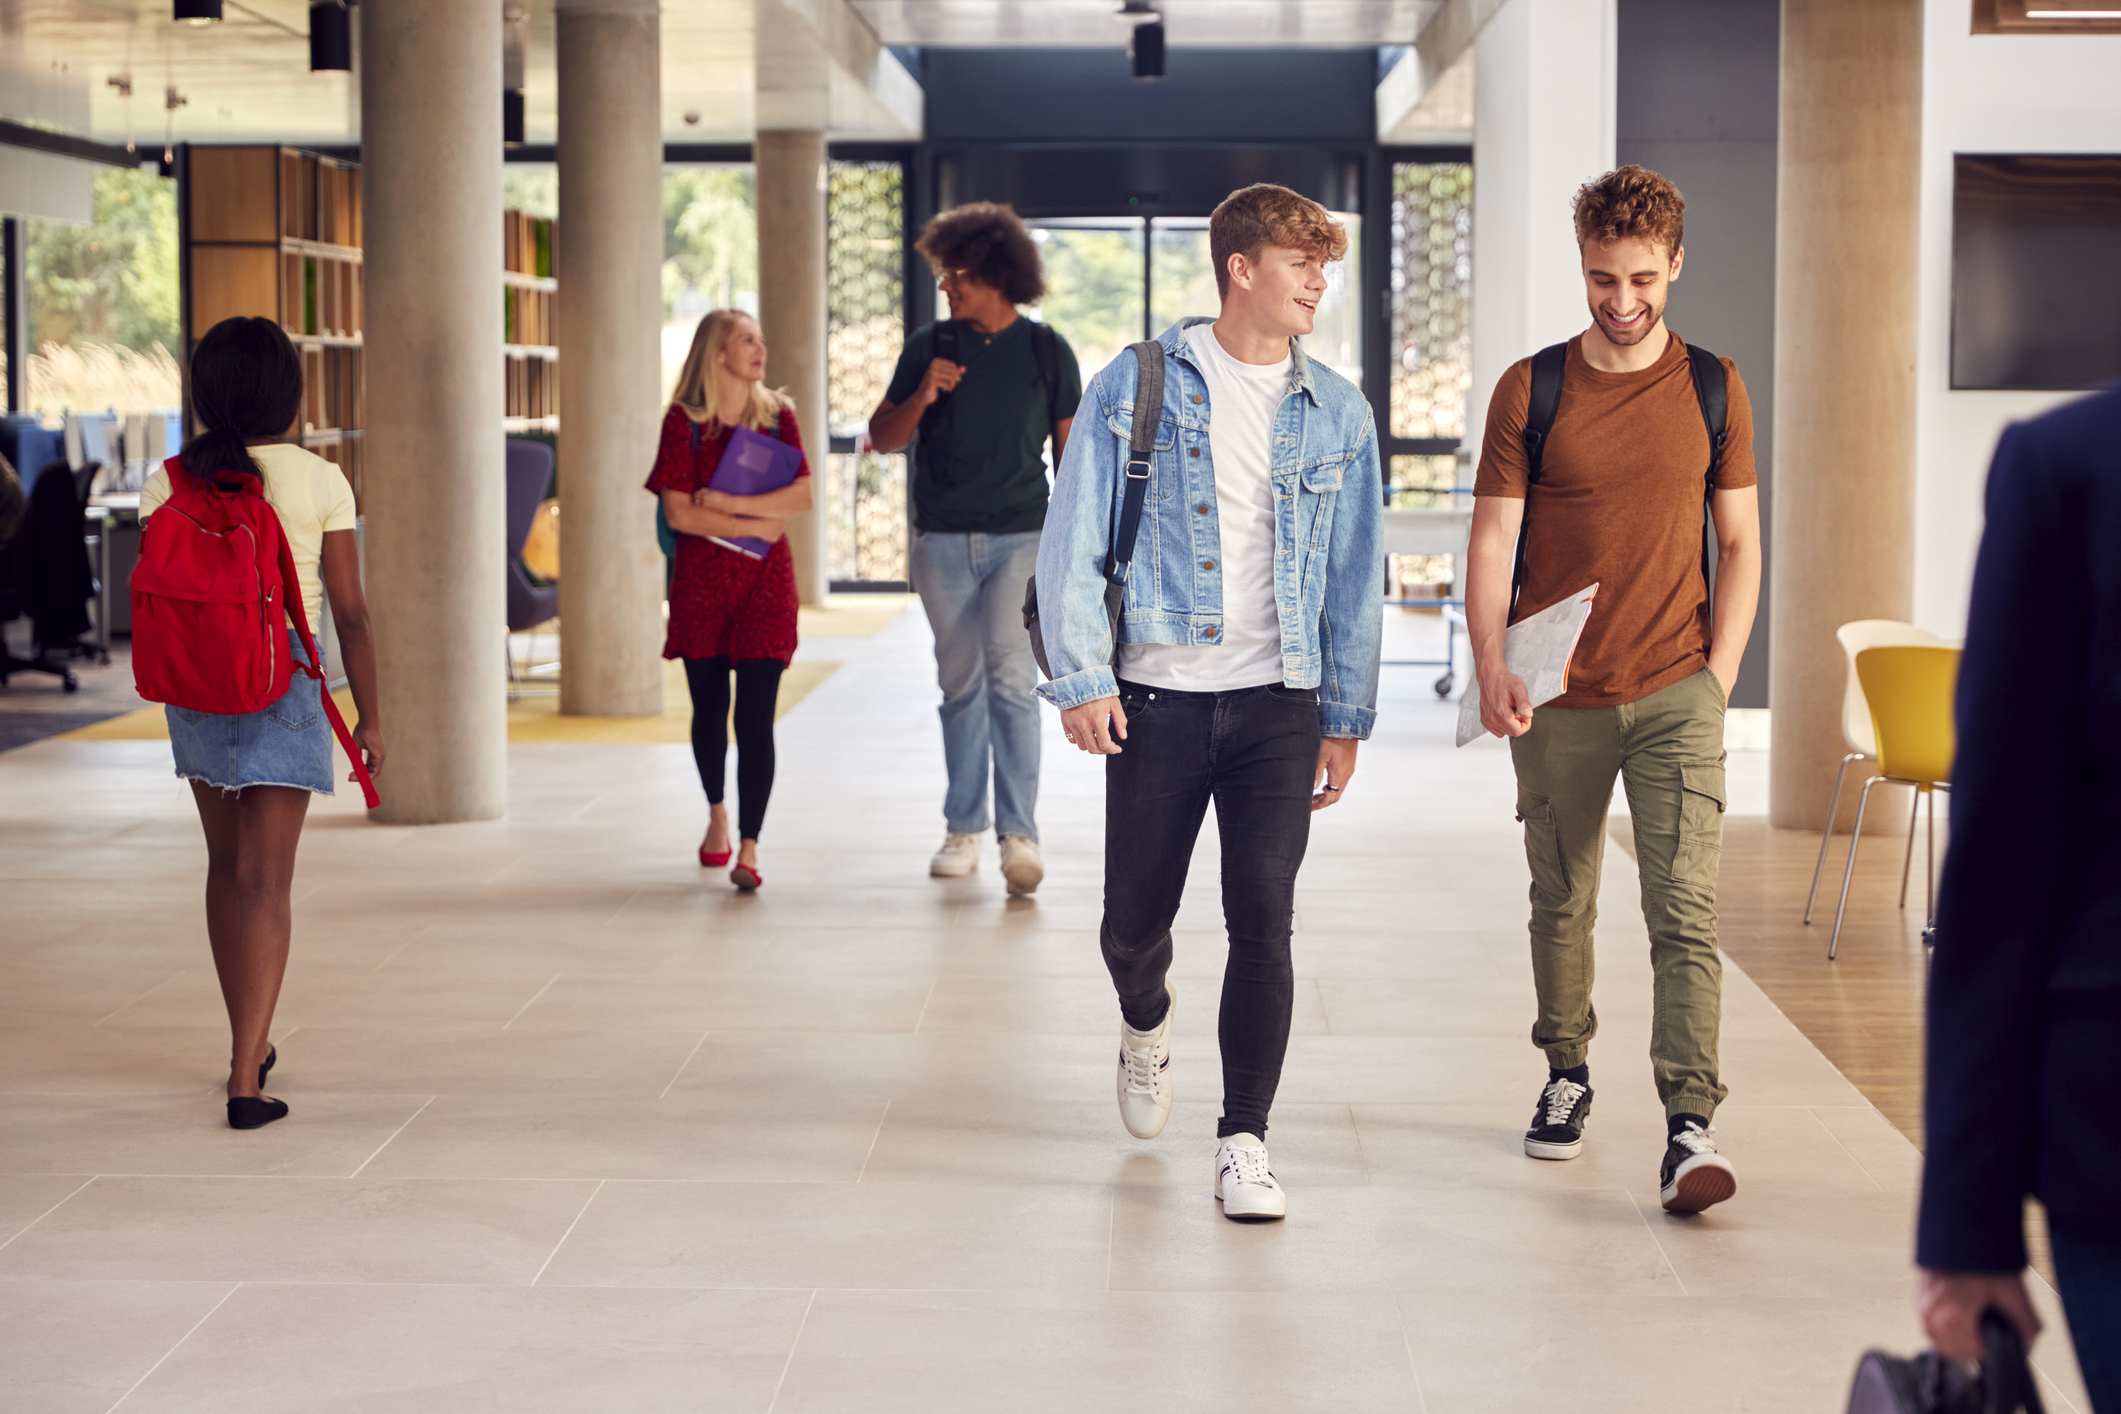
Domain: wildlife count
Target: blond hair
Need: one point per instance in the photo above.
(1252, 218)
(700, 381)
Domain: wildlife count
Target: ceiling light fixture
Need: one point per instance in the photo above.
(1147, 48)
(512, 117)
(330, 38)
(1138, 12)
(197, 12)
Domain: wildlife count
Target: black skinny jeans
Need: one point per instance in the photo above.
(1254, 752)
(758, 688)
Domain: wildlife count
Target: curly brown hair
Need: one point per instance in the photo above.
(1263, 214)
(987, 241)
(1630, 202)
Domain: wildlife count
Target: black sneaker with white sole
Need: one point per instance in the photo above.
(1557, 1120)
(1694, 1175)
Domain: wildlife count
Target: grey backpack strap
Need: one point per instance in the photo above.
(1141, 462)
(1141, 457)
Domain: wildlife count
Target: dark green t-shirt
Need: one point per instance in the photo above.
(978, 457)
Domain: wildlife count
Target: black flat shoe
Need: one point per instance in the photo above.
(254, 1111)
(272, 1058)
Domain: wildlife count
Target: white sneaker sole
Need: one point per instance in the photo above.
(951, 869)
(1265, 1207)
(1541, 1149)
(1700, 1183)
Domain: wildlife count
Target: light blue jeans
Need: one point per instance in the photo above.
(972, 585)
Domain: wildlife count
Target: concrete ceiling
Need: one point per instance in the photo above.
(1196, 23)
(248, 77)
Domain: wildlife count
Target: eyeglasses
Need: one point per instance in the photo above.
(952, 277)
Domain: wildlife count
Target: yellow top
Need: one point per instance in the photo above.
(311, 497)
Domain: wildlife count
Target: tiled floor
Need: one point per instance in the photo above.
(577, 1128)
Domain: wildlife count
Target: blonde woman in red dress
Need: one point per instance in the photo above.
(730, 614)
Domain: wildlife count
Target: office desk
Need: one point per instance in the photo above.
(114, 542)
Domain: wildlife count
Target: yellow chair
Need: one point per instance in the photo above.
(1854, 637)
(1910, 694)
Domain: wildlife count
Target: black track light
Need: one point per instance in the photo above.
(197, 12)
(330, 37)
(512, 117)
(1148, 50)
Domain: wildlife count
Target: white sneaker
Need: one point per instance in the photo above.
(1145, 1073)
(1021, 865)
(1245, 1185)
(958, 857)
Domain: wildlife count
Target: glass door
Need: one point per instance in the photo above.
(1096, 284)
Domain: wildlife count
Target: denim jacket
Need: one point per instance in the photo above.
(1328, 528)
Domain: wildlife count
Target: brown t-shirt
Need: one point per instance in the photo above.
(1618, 504)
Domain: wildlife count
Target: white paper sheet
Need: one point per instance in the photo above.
(1538, 650)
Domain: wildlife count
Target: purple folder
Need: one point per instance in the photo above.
(753, 464)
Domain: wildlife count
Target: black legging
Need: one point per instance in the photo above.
(758, 687)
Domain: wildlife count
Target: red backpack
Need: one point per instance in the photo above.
(211, 594)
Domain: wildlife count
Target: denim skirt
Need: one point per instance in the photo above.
(286, 743)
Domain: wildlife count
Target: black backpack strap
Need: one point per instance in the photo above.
(1045, 349)
(1713, 391)
(1141, 457)
(1545, 402)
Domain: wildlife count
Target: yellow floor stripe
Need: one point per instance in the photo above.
(539, 719)
(529, 718)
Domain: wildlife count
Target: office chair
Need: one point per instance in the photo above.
(529, 474)
(23, 571)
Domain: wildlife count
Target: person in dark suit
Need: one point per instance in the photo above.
(2025, 984)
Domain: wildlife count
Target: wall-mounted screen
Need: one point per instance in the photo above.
(2036, 271)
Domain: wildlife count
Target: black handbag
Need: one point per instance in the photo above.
(1141, 461)
(1931, 1384)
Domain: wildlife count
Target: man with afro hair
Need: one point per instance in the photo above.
(975, 397)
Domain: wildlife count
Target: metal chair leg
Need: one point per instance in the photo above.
(1929, 874)
(1855, 838)
(1833, 807)
(1914, 812)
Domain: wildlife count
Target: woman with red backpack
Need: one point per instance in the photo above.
(243, 515)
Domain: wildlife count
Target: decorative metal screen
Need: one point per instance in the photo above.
(865, 492)
(1432, 298)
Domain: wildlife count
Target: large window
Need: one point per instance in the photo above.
(103, 302)
(865, 328)
(710, 253)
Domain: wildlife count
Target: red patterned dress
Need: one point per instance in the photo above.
(723, 603)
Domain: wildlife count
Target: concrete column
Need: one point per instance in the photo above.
(431, 178)
(791, 203)
(611, 314)
(1847, 241)
(1544, 107)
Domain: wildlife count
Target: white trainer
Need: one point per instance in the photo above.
(1245, 1185)
(958, 857)
(1145, 1073)
(1021, 865)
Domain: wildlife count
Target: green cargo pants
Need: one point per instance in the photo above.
(1668, 751)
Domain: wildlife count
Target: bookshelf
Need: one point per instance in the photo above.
(531, 298)
(273, 232)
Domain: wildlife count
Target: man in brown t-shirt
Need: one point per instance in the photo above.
(1618, 503)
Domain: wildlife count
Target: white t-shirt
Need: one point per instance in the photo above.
(310, 495)
(1242, 401)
